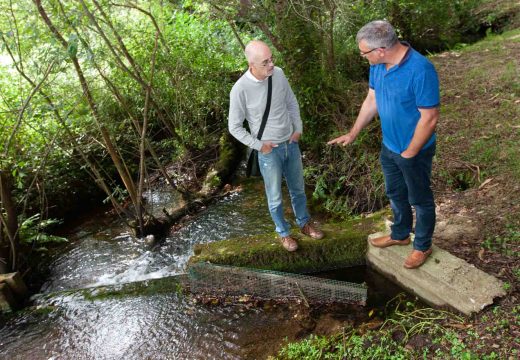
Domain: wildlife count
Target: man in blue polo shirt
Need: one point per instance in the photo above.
(404, 91)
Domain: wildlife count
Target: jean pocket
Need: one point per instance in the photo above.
(407, 162)
(410, 158)
(266, 156)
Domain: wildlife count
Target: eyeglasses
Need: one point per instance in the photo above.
(369, 51)
(267, 61)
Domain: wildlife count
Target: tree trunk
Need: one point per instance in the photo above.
(9, 222)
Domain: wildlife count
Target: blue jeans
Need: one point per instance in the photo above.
(284, 161)
(407, 183)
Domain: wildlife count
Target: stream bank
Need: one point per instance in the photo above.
(112, 295)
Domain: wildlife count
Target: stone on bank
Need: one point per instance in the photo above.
(344, 244)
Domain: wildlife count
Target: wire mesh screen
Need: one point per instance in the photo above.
(230, 281)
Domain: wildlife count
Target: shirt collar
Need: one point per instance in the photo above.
(249, 75)
(407, 54)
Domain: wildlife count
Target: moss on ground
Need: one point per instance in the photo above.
(345, 244)
(166, 285)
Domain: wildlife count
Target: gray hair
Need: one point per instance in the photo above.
(377, 34)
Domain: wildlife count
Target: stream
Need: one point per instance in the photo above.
(70, 319)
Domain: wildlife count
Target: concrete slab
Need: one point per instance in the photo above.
(444, 280)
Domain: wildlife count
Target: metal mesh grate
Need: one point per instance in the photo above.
(224, 281)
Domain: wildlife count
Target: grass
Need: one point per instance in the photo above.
(483, 101)
(409, 332)
(479, 134)
(507, 243)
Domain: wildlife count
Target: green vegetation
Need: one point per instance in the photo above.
(166, 285)
(480, 120)
(97, 96)
(507, 243)
(409, 332)
(32, 231)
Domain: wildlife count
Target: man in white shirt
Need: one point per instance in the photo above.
(278, 151)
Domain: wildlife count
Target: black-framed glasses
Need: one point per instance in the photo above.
(267, 61)
(369, 51)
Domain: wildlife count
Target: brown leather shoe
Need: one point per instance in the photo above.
(417, 258)
(289, 243)
(311, 231)
(386, 241)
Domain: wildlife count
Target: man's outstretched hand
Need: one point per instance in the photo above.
(343, 140)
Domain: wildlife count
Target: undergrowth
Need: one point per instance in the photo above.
(409, 332)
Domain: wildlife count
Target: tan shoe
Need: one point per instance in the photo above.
(416, 258)
(311, 231)
(386, 241)
(289, 243)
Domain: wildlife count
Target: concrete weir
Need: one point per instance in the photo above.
(444, 280)
(344, 245)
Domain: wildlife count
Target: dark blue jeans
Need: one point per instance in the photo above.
(407, 183)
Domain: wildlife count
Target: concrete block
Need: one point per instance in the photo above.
(444, 280)
(344, 245)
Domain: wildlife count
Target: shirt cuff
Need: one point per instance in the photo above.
(257, 145)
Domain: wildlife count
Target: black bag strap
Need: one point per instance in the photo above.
(267, 107)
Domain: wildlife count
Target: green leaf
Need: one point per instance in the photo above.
(72, 48)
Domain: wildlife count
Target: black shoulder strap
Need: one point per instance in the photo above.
(267, 107)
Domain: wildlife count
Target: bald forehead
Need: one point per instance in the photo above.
(257, 50)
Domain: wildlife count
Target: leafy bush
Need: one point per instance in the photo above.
(32, 231)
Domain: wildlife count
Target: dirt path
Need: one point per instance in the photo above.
(477, 173)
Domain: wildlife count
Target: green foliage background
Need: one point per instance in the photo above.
(198, 59)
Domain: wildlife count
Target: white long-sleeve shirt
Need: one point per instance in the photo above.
(248, 99)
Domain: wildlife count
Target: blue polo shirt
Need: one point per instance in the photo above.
(400, 92)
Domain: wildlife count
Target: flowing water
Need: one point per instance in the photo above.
(71, 319)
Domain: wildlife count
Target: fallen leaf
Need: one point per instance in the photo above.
(481, 254)
(374, 324)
